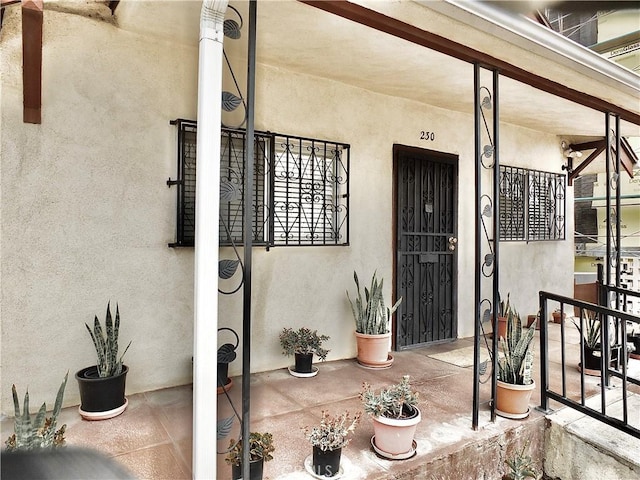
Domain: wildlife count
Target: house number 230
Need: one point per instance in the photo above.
(429, 136)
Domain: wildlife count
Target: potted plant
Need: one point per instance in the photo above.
(504, 309)
(328, 439)
(372, 324)
(303, 344)
(520, 467)
(226, 355)
(102, 386)
(558, 315)
(515, 385)
(39, 433)
(395, 416)
(260, 450)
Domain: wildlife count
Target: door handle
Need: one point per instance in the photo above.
(452, 243)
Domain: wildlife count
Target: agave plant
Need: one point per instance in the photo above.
(521, 466)
(40, 433)
(371, 315)
(517, 361)
(106, 343)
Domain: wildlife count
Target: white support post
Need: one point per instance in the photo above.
(206, 238)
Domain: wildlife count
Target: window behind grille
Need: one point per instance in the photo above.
(532, 204)
(300, 189)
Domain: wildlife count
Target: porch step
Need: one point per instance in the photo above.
(479, 457)
(578, 446)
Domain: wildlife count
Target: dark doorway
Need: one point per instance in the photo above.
(426, 246)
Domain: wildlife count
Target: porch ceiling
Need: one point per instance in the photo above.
(304, 39)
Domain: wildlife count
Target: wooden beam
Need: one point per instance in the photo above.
(584, 164)
(411, 33)
(32, 17)
(628, 158)
(579, 147)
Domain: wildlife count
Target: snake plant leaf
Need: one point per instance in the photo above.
(482, 369)
(230, 101)
(227, 268)
(486, 315)
(231, 29)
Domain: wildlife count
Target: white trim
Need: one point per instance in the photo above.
(537, 38)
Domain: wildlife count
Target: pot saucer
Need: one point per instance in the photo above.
(513, 416)
(588, 371)
(308, 466)
(104, 415)
(377, 366)
(398, 456)
(292, 371)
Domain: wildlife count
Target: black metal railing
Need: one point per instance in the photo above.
(613, 325)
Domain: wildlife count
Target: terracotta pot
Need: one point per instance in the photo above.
(512, 401)
(326, 463)
(395, 436)
(557, 318)
(531, 319)
(373, 350)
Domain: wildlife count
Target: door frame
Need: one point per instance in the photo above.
(451, 158)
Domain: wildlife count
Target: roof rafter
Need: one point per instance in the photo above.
(32, 19)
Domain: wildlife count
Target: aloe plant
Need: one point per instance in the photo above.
(516, 364)
(40, 433)
(371, 315)
(106, 343)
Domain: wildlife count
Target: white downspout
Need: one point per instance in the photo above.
(206, 238)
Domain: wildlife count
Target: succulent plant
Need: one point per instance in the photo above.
(333, 431)
(106, 343)
(520, 467)
(391, 402)
(371, 315)
(260, 446)
(591, 332)
(516, 363)
(40, 433)
(303, 341)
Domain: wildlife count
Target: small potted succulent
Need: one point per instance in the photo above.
(303, 344)
(515, 385)
(328, 439)
(102, 386)
(373, 321)
(521, 467)
(260, 450)
(395, 416)
(39, 433)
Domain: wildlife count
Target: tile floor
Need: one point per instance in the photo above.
(152, 438)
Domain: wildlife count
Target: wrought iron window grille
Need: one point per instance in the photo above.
(301, 189)
(532, 204)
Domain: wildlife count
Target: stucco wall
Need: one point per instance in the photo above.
(86, 214)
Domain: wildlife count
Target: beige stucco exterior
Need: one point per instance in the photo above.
(86, 215)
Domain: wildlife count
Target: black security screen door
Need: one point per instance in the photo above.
(426, 245)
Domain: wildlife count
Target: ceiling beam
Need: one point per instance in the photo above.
(411, 33)
(628, 158)
(32, 17)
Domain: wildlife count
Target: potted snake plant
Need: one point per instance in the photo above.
(102, 386)
(515, 385)
(373, 321)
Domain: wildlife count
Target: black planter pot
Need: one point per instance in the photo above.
(101, 397)
(223, 374)
(635, 341)
(255, 470)
(304, 362)
(326, 463)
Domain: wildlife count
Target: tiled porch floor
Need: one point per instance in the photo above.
(152, 438)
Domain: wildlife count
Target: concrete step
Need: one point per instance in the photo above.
(580, 447)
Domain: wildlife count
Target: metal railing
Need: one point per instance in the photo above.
(613, 324)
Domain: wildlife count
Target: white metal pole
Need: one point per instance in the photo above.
(206, 238)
